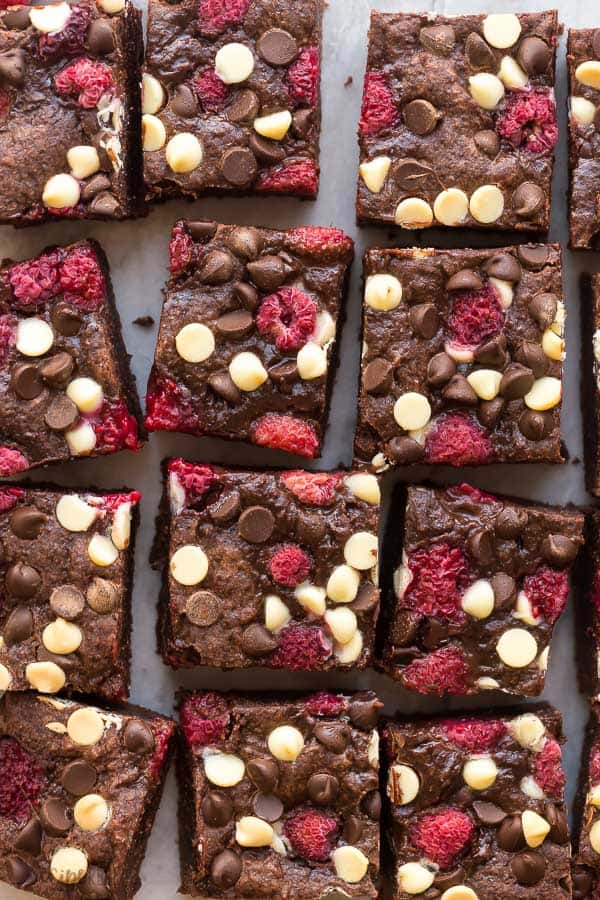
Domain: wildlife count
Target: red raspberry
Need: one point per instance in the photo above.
(303, 77)
(86, 79)
(4, 105)
(181, 249)
(475, 316)
(194, 478)
(111, 502)
(474, 735)
(528, 120)
(312, 834)
(474, 493)
(23, 780)
(11, 461)
(9, 497)
(214, 16)
(70, 40)
(82, 279)
(316, 239)
(36, 280)
(442, 672)
(443, 836)
(8, 335)
(163, 732)
(204, 719)
(169, 407)
(595, 766)
(317, 488)
(457, 439)
(299, 177)
(285, 433)
(301, 648)
(547, 770)
(440, 574)
(378, 106)
(211, 91)
(289, 565)
(547, 591)
(289, 316)
(325, 704)
(115, 428)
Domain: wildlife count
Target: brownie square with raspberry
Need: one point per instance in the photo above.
(279, 795)
(475, 806)
(590, 382)
(458, 123)
(80, 788)
(463, 356)
(583, 59)
(231, 97)
(66, 389)
(586, 830)
(247, 346)
(277, 569)
(479, 584)
(70, 142)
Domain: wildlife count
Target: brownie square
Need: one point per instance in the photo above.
(590, 382)
(458, 123)
(463, 356)
(583, 55)
(586, 830)
(277, 569)
(231, 97)
(81, 786)
(66, 388)
(70, 143)
(480, 582)
(247, 342)
(588, 608)
(475, 806)
(279, 795)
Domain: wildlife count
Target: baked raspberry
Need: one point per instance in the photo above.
(211, 91)
(204, 719)
(303, 77)
(195, 479)
(444, 671)
(70, 40)
(474, 493)
(11, 461)
(528, 120)
(214, 16)
(325, 704)
(22, 781)
(456, 439)
(312, 834)
(36, 280)
(169, 407)
(9, 497)
(440, 574)
(82, 280)
(285, 433)
(181, 250)
(163, 732)
(289, 316)
(443, 836)
(475, 316)
(595, 766)
(316, 239)
(289, 565)
(8, 335)
(301, 647)
(115, 428)
(4, 105)
(474, 735)
(298, 177)
(547, 591)
(378, 107)
(547, 770)
(86, 79)
(317, 488)
(111, 502)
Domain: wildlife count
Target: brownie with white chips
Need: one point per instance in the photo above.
(586, 833)
(590, 381)
(583, 58)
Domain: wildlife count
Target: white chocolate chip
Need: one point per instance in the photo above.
(61, 192)
(120, 531)
(501, 30)
(274, 126)
(34, 336)
(487, 204)
(542, 660)
(582, 110)
(414, 878)
(349, 653)
(154, 133)
(360, 550)
(480, 772)
(402, 579)
(485, 383)
(324, 328)
(531, 788)
(593, 797)
(412, 411)
(311, 361)
(5, 678)
(184, 152)
(380, 463)
(595, 836)
(311, 598)
(403, 784)
(375, 172)
(486, 90)
(195, 342)
(517, 648)
(459, 892)
(529, 731)
(51, 18)
(588, 73)
(250, 831)
(62, 637)
(342, 623)
(83, 161)
(505, 291)
(524, 611)
(478, 599)
(224, 769)
(383, 292)
(81, 440)
(247, 371)
(68, 865)
(234, 63)
(350, 864)
(553, 345)
(277, 615)
(75, 514)
(343, 584)
(286, 743)
(413, 212)
(512, 75)
(189, 565)
(373, 749)
(56, 727)
(546, 393)
(46, 677)
(86, 394)
(365, 487)
(111, 6)
(451, 207)
(85, 726)
(91, 812)
(102, 551)
(487, 684)
(535, 828)
(153, 94)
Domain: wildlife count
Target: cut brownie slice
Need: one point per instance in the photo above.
(583, 57)
(458, 123)
(247, 342)
(481, 584)
(279, 795)
(70, 111)
(80, 789)
(590, 382)
(475, 807)
(231, 97)
(588, 608)
(586, 836)
(267, 568)
(463, 356)
(66, 387)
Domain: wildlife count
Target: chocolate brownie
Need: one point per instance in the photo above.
(475, 807)
(66, 389)
(247, 342)
(279, 795)
(70, 143)
(586, 831)
(458, 122)
(583, 58)
(463, 356)
(588, 608)
(590, 382)
(80, 789)
(479, 585)
(67, 571)
(231, 97)
(267, 568)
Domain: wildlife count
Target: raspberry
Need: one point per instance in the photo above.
(317, 488)
(289, 565)
(22, 781)
(298, 177)
(194, 479)
(442, 672)
(442, 836)
(4, 105)
(547, 770)
(115, 428)
(528, 120)
(316, 239)
(214, 16)
(70, 40)
(547, 591)
(8, 335)
(325, 704)
(285, 433)
(111, 502)
(86, 79)
(211, 91)
(474, 493)
(168, 407)
(378, 107)
(595, 766)
(204, 719)
(163, 732)
(181, 249)
(475, 316)
(289, 317)
(303, 77)
(82, 280)
(301, 647)
(11, 461)
(439, 576)
(457, 440)
(36, 280)
(474, 735)
(9, 497)
(312, 834)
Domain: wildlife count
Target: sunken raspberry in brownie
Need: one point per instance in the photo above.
(586, 831)
(279, 795)
(590, 382)
(66, 389)
(80, 789)
(247, 342)
(69, 111)
(475, 807)
(463, 356)
(458, 123)
(583, 58)
(277, 569)
(480, 583)
(231, 97)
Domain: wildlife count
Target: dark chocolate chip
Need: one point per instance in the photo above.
(492, 352)
(528, 867)
(410, 173)
(438, 38)
(528, 199)
(19, 873)
(542, 309)
(583, 882)
(95, 186)
(424, 320)
(464, 280)
(226, 508)
(534, 55)
(481, 546)
(29, 839)
(268, 273)
(421, 116)
(268, 807)
(366, 599)
(364, 713)
(216, 267)
(246, 294)
(310, 528)
(301, 122)
(239, 166)
(217, 809)
(371, 805)
(256, 524)
(202, 608)
(405, 450)
(17, 19)
(353, 829)
(67, 601)
(503, 266)
(510, 835)
(440, 370)
(94, 886)
(22, 581)
(105, 204)
(535, 425)
(19, 626)
(257, 641)
(559, 550)
(235, 325)
(66, 321)
(102, 596)
(505, 590)
(27, 522)
(245, 242)
(138, 737)
(406, 625)
(458, 390)
(323, 788)
(333, 735)
(55, 816)
(202, 231)
(533, 357)
(377, 376)
(78, 777)
(225, 869)
(488, 142)
(277, 47)
(101, 37)
(533, 256)
(479, 54)
(26, 382)
(144, 321)
(244, 107)
(516, 382)
(61, 414)
(489, 412)
(283, 372)
(57, 369)
(223, 385)
(511, 521)
(184, 102)
(488, 813)
(559, 829)
(12, 67)
(264, 773)
(265, 150)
